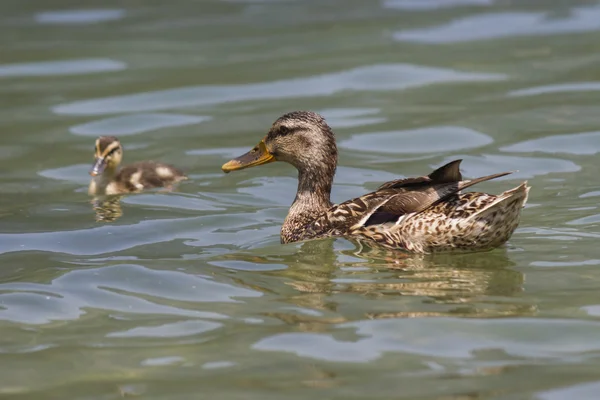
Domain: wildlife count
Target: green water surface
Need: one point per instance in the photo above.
(189, 294)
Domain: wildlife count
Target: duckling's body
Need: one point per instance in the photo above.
(108, 179)
(424, 214)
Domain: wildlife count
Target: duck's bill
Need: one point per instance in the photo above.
(257, 156)
(98, 166)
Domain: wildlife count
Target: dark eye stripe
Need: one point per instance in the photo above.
(281, 131)
(284, 130)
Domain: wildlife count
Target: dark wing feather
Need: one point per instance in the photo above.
(419, 199)
(444, 174)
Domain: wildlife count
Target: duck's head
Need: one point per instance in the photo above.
(300, 138)
(108, 154)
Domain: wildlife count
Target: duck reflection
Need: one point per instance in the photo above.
(107, 208)
(393, 283)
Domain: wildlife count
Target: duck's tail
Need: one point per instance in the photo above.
(513, 199)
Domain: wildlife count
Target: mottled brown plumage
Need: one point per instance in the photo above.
(108, 179)
(423, 214)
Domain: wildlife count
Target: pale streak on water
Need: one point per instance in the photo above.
(189, 294)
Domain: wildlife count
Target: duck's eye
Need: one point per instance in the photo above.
(284, 130)
(110, 153)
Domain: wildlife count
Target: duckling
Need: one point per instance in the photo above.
(107, 179)
(423, 215)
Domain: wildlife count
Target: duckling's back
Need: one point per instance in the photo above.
(146, 175)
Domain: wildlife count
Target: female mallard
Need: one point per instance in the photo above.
(423, 215)
(108, 180)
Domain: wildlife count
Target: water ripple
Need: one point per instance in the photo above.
(174, 330)
(425, 5)
(218, 364)
(77, 173)
(134, 124)
(76, 17)
(176, 201)
(583, 391)
(124, 288)
(585, 143)
(462, 337)
(382, 77)
(556, 264)
(63, 67)
(588, 220)
(501, 25)
(416, 141)
(557, 88)
(594, 193)
(204, 231)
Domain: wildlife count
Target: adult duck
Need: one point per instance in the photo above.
(423, 215)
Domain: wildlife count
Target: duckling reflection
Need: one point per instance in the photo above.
(108, 179)
(395, 284)
(107, 209)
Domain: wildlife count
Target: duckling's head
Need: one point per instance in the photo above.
(300, 138)
(108, 154)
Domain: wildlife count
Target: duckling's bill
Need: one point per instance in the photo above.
(98, 167)
(257, 156)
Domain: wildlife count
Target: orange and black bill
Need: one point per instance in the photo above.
(257, 156)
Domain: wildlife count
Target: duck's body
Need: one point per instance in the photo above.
(466, 221)
(423, 215)
(108, 179)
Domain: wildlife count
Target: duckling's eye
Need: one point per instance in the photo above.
(110, 153)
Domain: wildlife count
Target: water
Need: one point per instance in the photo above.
(189, 294)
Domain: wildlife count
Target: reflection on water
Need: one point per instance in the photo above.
(167, 295)
(107, 209)
(439, 284)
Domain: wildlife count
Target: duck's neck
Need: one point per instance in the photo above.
(312, 199)
(99, 183)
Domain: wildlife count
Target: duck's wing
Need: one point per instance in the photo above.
(445, 174)
(394, 200)
(418, 199)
